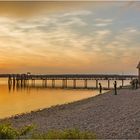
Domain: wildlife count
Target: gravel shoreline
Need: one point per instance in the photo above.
(107, 115)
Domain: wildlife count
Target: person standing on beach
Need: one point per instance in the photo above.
(100, 88)
(115, 87)
(133, 84)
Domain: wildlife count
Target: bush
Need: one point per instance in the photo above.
(65, 134)
(8, 132)
(25, 130)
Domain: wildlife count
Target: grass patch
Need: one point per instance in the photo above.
(65, 134)
(9, 132)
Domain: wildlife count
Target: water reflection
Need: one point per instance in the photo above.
(15, 98)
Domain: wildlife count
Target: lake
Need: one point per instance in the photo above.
(16, 100)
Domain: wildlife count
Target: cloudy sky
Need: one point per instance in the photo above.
(69, 37)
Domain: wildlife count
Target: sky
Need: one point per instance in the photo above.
(69, 37)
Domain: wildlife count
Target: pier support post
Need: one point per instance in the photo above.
(66, 83)
(45, 82)
(21, 83)
(85, 83)
(9, 86)
(13, 86)
(17, 81)
(63, 83)
(14, 80)
(96, 83)
(24, 82)
(9, 80)
(33, 82)
(108, 83)
(74, 83)
(53, 83)
(122, 82)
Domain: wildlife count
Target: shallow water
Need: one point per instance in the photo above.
(21, 99)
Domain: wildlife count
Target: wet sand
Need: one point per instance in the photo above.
(107, 115)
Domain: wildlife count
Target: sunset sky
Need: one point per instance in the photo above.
(69, 37)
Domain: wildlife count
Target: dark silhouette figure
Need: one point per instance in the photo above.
(100, 88)
(115, 88)
(132, 84)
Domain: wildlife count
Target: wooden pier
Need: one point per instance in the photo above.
(23, 79)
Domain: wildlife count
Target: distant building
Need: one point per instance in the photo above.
(138, 72)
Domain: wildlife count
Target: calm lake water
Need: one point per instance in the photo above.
(16, 100)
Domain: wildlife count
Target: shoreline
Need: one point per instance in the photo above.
(107, 115)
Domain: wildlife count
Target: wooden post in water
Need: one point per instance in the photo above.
(74, 83)
(45, 82)
(96, 83)
(66, 83)
(53, 83)
(33, 82)
(63, 83)
(14, 80)
(122, 82)
(9, 80)
(85, 83)
(21, 80)
(24, 80)
(138, 67)
(13, 86)
(17, 79)
(108, 83)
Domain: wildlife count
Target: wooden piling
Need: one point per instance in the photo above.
(85, 83)
(63, 83)
(66, 83)
(53, 83)
(122, 82)
(74, 83)
(96, 83)
(33, 82)
(108, 83)
(45, 82)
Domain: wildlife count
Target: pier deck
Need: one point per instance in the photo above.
(24, 78)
